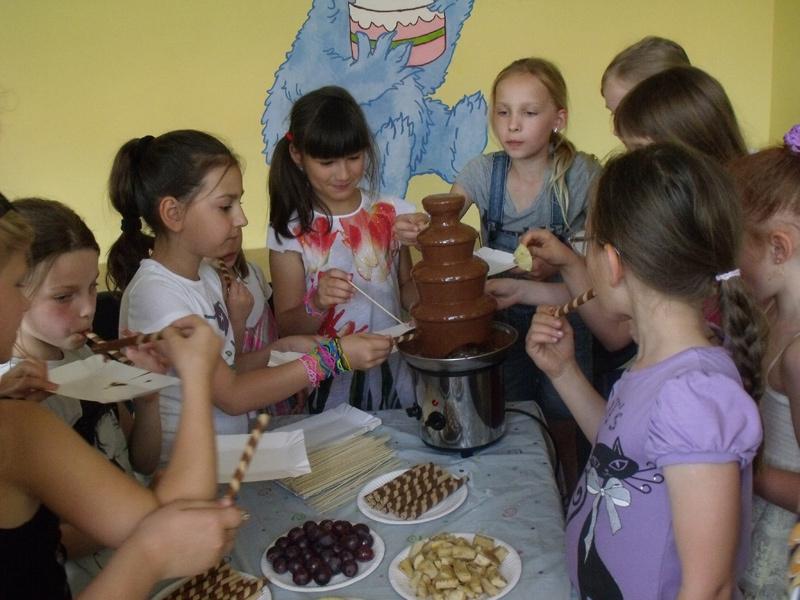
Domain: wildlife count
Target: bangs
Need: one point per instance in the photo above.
(326, 138)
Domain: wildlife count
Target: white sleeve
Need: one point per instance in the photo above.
(283, 244)
(152, 303)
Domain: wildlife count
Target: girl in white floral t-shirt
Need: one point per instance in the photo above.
(325, 232)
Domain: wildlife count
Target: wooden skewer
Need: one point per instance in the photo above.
(143, 338)
(247, 455)
(375, 302)
(575, 303)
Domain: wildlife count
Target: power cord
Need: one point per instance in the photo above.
(551, 447)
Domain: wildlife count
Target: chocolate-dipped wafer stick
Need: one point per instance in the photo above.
(575, 303)
(247, 455)
(134, 340)
(93, 341)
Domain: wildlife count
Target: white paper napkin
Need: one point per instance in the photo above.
(497, 260)
(279, 455)
(101, 380)
(333, 426)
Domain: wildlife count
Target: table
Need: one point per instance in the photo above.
(512, 496)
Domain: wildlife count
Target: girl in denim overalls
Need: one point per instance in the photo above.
(537, 180)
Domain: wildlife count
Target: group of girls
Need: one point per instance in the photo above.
(663, 506)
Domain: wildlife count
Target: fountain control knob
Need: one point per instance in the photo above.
(415, 412)
(436, 421)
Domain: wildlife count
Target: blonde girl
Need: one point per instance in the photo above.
(47, 473)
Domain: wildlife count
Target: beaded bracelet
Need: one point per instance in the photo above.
(326, 360)
(308, 303)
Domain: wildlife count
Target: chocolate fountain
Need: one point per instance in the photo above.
(457, 349)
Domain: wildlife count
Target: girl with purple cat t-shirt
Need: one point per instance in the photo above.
(689, 408)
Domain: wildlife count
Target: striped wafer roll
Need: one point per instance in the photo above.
(432, 498)
(93, 341)
(247, 455)
(387, 491)
(408, 496)
(241, 588)
(207, 588)
(134, 340)
(575, 303)
(207, 578)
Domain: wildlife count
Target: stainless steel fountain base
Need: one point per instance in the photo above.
(461, 399)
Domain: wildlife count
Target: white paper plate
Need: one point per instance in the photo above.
(510, 569)
(265, 593)
(445, 507)
(338, 581)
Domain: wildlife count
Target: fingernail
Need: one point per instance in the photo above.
(245, 515)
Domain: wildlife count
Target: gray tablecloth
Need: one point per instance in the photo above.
(512, 497)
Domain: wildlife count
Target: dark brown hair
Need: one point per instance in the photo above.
(57, 230)
(648, 56)
(563, 151)
(324, 123)
(683, 105)
(146, 170)
(15, 233)
(668, 212)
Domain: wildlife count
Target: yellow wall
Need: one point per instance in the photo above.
(785, 69)
(79, 78)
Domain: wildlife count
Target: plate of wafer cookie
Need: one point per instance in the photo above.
(419, 494)
(218, 582)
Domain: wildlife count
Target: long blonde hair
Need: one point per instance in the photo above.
(562, 150)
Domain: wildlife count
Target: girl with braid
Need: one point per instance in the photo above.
(769, 185)
(663, 506)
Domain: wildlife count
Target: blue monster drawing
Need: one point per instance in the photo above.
(391, 55)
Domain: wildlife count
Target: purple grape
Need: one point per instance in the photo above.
(274, 553)
(294, 564)
(335, 563)
(323, 575)
(314, 563)
(367, 541)
(292, 551)
(351, 542)
(325, 540)
(301, 576)
(282, 542)
(349, 568)
(280, 565)
(361, 529)
(326, 525)
(295, 533)
(364, 554)
(346, 555)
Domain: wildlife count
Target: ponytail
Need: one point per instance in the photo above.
(745, 333)
(133, 245)
(564, 153)
(290, 193)
(145, 171)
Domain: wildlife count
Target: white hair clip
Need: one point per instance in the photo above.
(729, 275)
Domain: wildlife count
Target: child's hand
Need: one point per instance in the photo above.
(296, 343)
(506, 291)
(366, 350)
(187, 536)
(550, 342)
(408, 226)
(239, 301)
(192, 346)
(334, 288)
(27, 380)
(145, 356)
(546, 247)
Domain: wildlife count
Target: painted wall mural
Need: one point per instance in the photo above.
(391, 55)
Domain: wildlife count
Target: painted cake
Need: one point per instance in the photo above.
(410, 19)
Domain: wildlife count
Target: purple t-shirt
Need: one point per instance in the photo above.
(689, 408)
